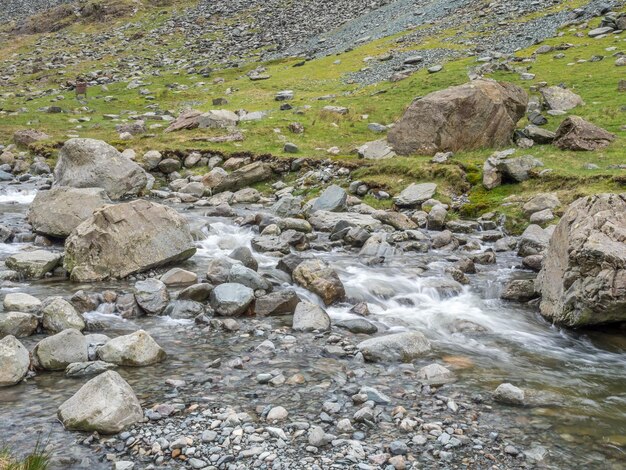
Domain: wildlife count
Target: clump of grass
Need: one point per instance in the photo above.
(38, 459)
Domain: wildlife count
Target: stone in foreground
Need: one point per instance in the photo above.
(135, 350)
(509, 394)
(583, 279)
(310, 317)
(125, 239)
(15, 361)
(106, 404)
(479, 114)
(90, 163)
(61, 209)
(18, 324)
(318, 277)
(398, 347)
(58, 351)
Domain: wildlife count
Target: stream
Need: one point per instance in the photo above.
(576, 380)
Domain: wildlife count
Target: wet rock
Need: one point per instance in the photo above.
(127, 306)
(197, 292)
(358, 326)
(325, 221)
(415, 194)
(440, 121)
(310, 317)
(218, 269)
(437, 217)
(534, 262)
(59, 315)
(183, 309)
(575, 133)
(333, 199)
(90, 163)
(435, 374)
(519, 290)
(282, 302)
(287, 206)
(86, 369)
(18, 324)
(583, 277)
(60, 210)
(289, 263)
(33, 264)
(318, 277)
(123, 248)
(271, 244)
(245, 176)
(403, 347)
(245, 256)
(15, 361)
(509, 394)
(21, 302)
(106, 404)
(135, 350)
(231, 299)
(239, 274)
(58, 351)
(179, 277)
(152, 296)
(397, 220)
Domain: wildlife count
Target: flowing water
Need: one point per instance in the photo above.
(577, 403)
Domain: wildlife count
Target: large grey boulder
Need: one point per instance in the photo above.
(135, 350)
(333, 199)
(127, 238)
(583, 279)
(90, 163)
(318, 277)
(61, 209)
(106, 404)
(18, 324)
(231, 299)
(58, 351)
(276, 303)
(152, 296)
(58, 315)
(415, 194)
(15, 361)
(402, 347)
(310, 317)
(33, 264)
(533, 241)
(479, 114)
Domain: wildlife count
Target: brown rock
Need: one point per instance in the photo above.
(575, 133)
(479, 114)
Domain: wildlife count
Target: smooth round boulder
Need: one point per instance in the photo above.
(318, 277)
(106, 404)
(179, 277)
(15, 361)
(509, 394)
(249, 278)
(59, 315)
(58, 351)
(135, 350)
(231, 299)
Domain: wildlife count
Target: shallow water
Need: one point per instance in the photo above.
(578, 379)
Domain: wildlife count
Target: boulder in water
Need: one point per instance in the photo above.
(59, 315)
(58, 351)
(231, 299)
(310, 317)
(15, 361)
(33, 264)
(318, 277)
(127, 238)
(18, 324)
(106, 404)
(152, 296)
(583, 278)
(90, 163)
(403, 347)
(135, 350)
(61, 209)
